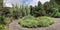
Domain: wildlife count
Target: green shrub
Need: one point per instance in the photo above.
(31, 22)
(45, 21)
(3, 27)
(2, 20)
(57, 15)
(28, 21)
(7, 20)
(3, 23)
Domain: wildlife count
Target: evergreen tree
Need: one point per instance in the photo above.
(51, 8)
(32, 10)
(37, 10)
(57, 1)
(40, 9)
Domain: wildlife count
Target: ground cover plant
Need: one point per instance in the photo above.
(32, 22)
(45, 21)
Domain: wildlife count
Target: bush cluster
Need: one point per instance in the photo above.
(28, 21)
(32, 22)
(3, 23)
(3, 27)
(57, 15)
(45, 21)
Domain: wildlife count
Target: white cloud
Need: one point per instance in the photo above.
(43, 1)
(8, 5)
(34, 2)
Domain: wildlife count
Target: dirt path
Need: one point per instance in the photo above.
(15, 26)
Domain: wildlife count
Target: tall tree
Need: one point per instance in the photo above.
(37, 10)
(1, 6)
(57, 1)
(51, 8)
(32, 10)
(41, 9)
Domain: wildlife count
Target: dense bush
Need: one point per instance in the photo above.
(2, 20)
(5, 11)
(7, 20)
(31, 22)
(28, 21)
(57, 15)
(47, 9)
(3, 27)
(37, 10)
(3, 23)
(51, 8)
(45, 21)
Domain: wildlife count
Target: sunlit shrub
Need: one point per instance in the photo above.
(2, 27)
(28, 21)
(45, 21)
(32, 22)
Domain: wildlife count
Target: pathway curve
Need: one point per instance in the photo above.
(15, 26)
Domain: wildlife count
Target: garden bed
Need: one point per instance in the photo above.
(15, 26)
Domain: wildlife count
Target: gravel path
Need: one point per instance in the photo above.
(15, 26)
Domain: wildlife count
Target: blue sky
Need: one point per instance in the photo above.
(29, 2)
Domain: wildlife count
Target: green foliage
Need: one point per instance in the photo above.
(37, 10)
(51, 8)
(57, 15)
(45, 21)
(47, 9)
(20, 11)
(28, 21)
(25, 10)
(2, 20)
(32, 22)
(3, 27)
(3, 23)
(5, 11)
(14, 11)
(7, 20)
(57, 1)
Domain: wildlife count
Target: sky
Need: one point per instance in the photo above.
(9, 3)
